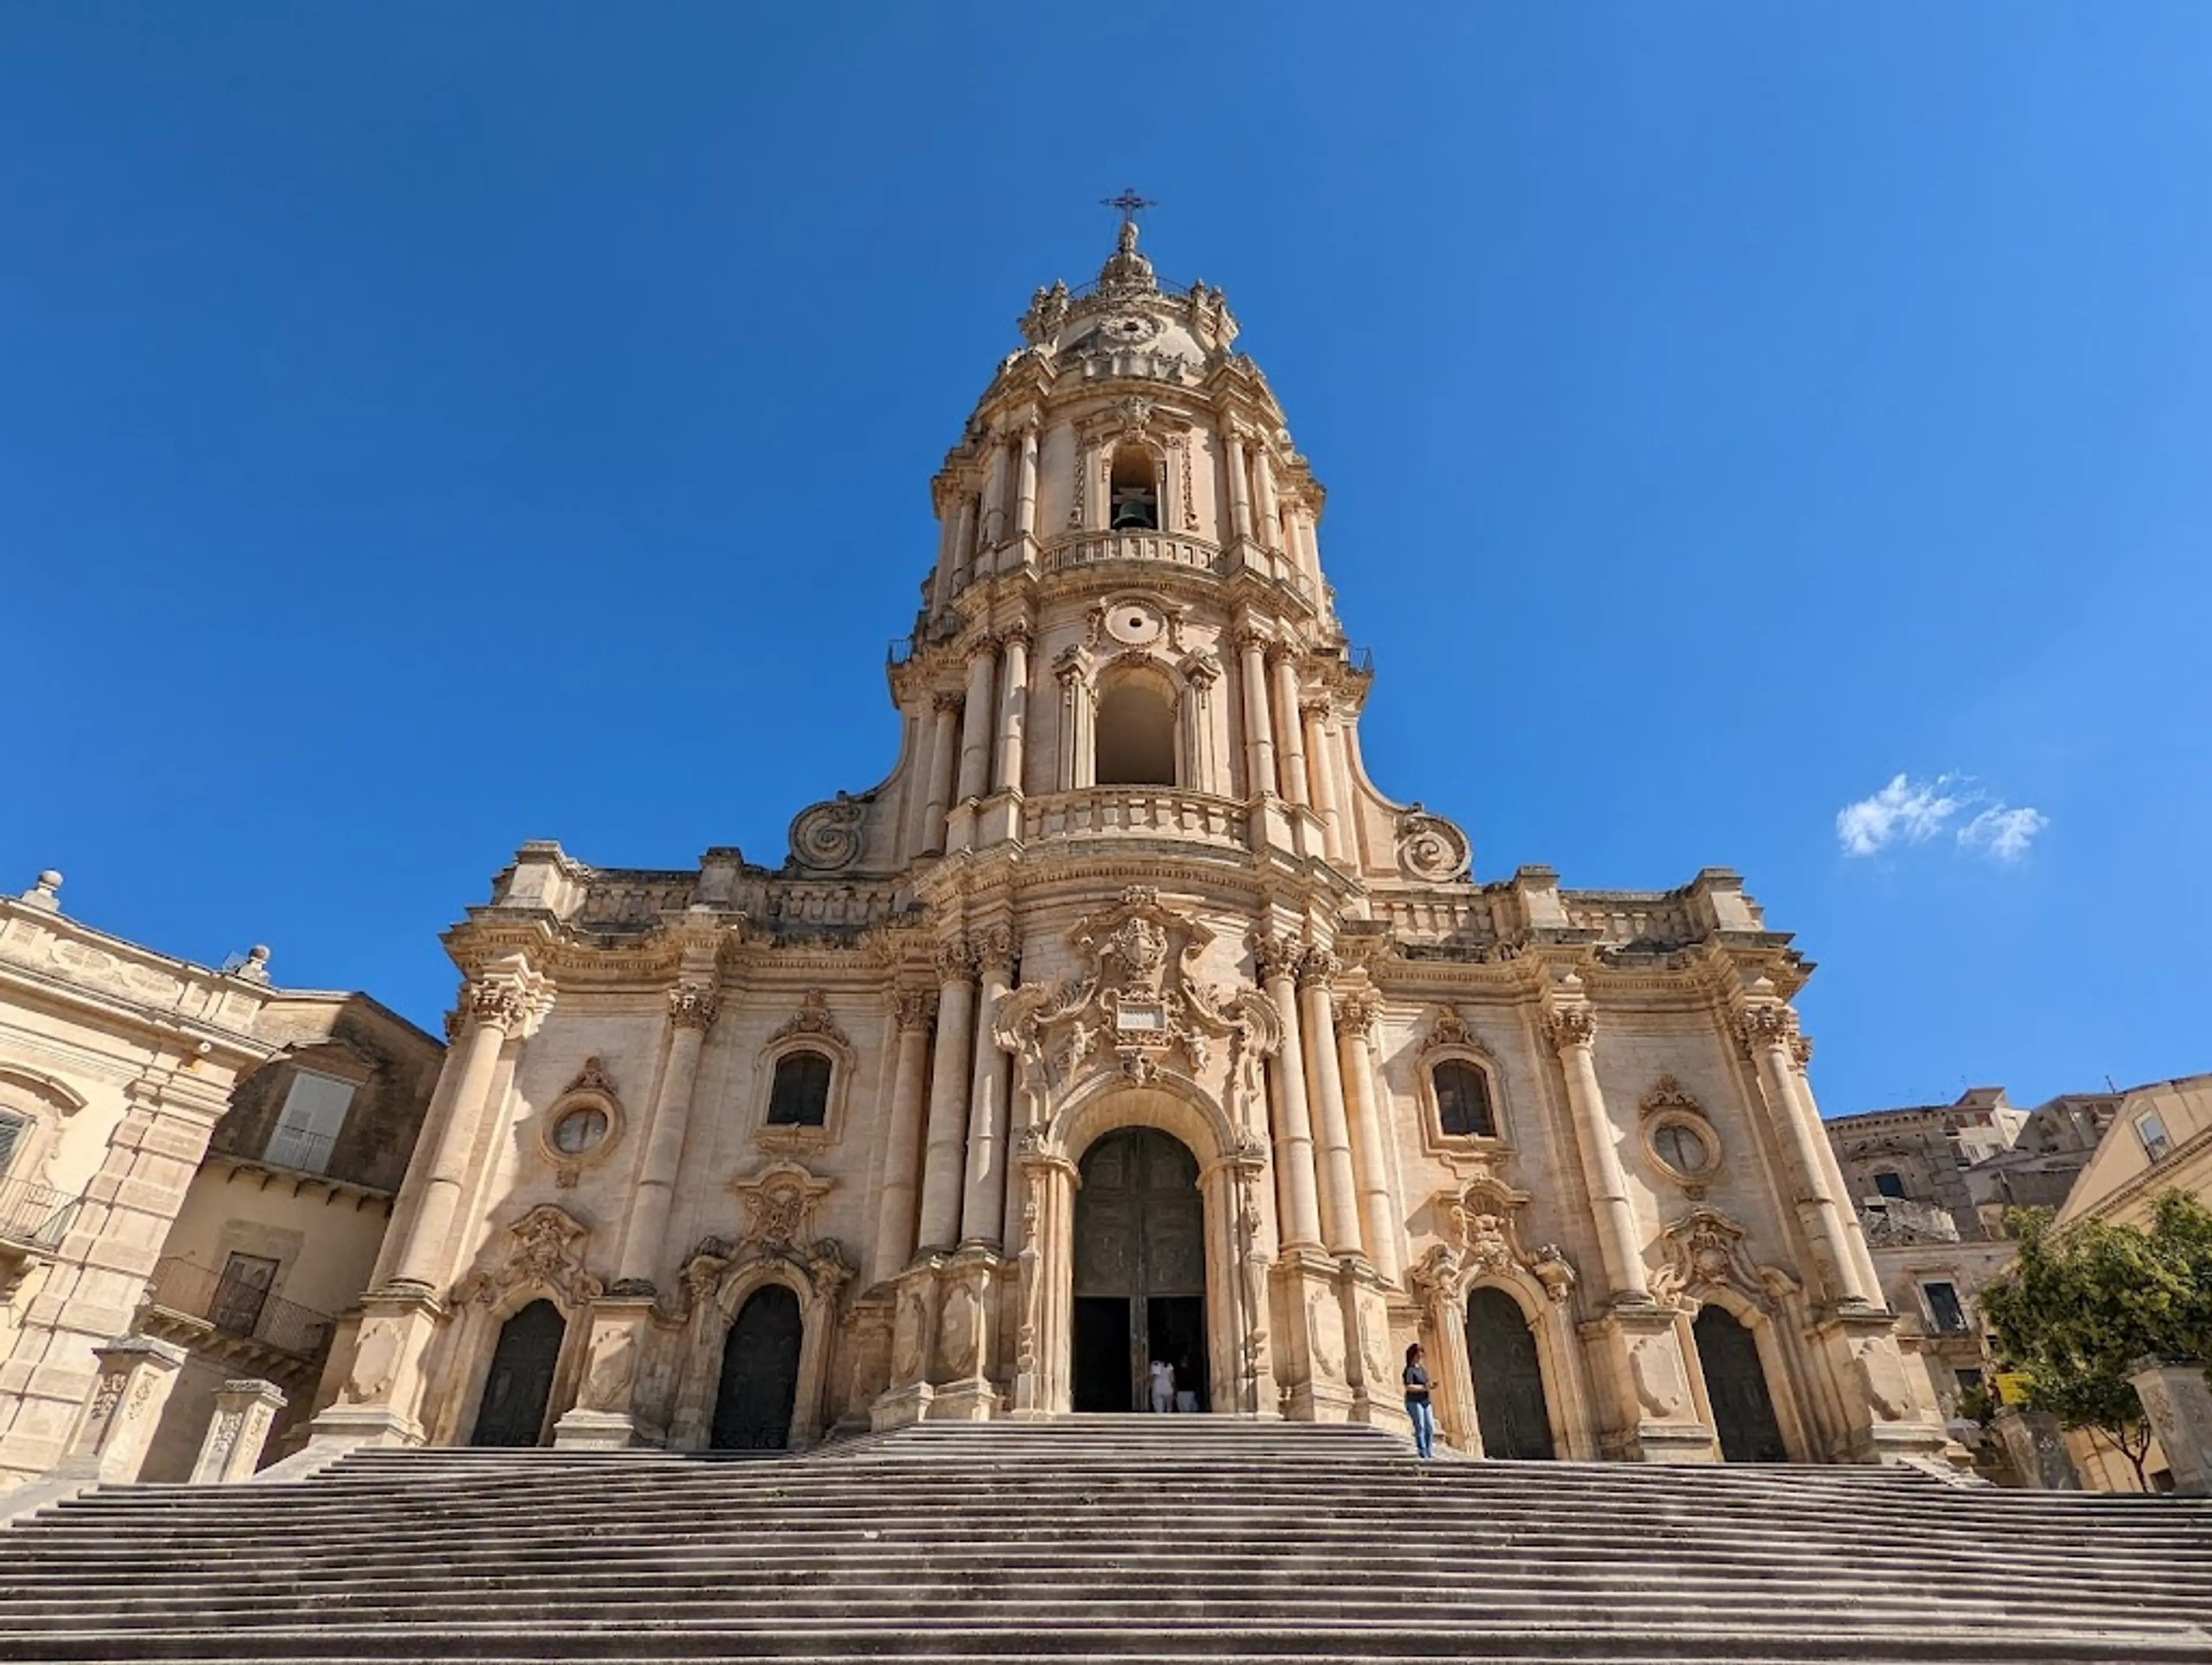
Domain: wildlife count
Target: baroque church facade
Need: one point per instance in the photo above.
(1125, 1021)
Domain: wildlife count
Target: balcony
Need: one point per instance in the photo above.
(1894, 1220)
(309, 1158)
(1136, 813)
(34, 1217)
(1158, 548)
(239, 1324)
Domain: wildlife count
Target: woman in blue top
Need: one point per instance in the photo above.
(1417, 1403)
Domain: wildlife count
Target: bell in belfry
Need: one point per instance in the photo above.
(1133, 510)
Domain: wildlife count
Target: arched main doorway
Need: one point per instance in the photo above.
(1139, 1271)
(1510, 1406)
(519, 1386)
(759, 1385)
(1735, 1387)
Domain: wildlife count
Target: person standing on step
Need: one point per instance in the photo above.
(1186, 1399)
(1162, 1386)
(1417, 1404)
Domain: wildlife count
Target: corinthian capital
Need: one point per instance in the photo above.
(510, 998)
(915, 1008)
(1569, 1026)
(1357, 1010)
(956, 960)
(1272, 956)
(1316, 965)
(992, 948)
(947, 702)
(693, 1005)
(1019, 635)
(1768, 1023)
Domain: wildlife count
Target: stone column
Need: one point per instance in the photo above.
(1025, 492)
(1282, 660)
(1768, 1030)
(975, 722)
(1269, 512)
(691, 1009)
(1340, 1205)
(994, 500)
(1321, 776)
(1200, 768)
(2178, 1403)
(984, 1203)
(1356, 1013)
(1832, 1174)
(1571, 1029)
(501, 1002)
(894, 1208)
(942, 707)
(942, 1157)
(136, 1376)
(1259, 738)
(964, 543)
(1276, 962)
(245, 1410)
(1078, 759)
(1240, 500)
(1013, 700)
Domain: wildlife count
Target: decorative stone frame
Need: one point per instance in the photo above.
(1162, 435)
(546, 1260)
(1085, 672)
(1668, 1105)
(1451, 1040)
(1484, 1250)
(1708, 1261)
(719, 1278)
(592, 1090)
(811, 1029)
(46, 1103)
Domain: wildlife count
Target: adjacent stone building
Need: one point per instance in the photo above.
(1932, 1184)
(194, 1159)
(1125, 1020)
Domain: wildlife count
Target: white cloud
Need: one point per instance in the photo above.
(1912, 812)
(2004, 833)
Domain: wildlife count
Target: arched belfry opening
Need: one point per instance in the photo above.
(1136, 732)
(1139, 1272)
(1134, 490)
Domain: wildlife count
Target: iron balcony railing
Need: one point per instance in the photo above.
(36, 1216)
(236, 1307)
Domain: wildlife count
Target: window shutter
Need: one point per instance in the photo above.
(12, 1129)
(314, 1110)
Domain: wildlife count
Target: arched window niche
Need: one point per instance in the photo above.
(805, 1074)
(1462, 1106)
(1136, 729)
(799, 1093)
(1133, 490)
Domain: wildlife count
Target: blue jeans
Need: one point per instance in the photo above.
(1425, 1426)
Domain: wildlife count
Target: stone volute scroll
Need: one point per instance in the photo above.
(1482, 1240)
(1430, 848)
(827, 837)
(1706, 1253)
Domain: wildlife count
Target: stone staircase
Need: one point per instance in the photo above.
(1101, 1538)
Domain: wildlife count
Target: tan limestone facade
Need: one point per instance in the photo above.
(1125, 1020)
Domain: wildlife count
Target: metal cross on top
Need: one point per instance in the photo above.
(1130, 204)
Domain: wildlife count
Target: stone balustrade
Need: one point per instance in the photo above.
(1094, 548)
(1136, 812)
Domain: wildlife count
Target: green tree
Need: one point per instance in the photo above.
(2080, 1306)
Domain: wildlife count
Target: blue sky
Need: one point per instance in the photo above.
(425, 428)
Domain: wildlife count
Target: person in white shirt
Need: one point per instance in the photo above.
(1162, 1386)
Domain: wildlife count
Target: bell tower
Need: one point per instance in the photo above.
(1125, 629)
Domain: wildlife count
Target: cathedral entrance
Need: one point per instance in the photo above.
(1510, 1406)
(519, 1387)
(1139, 1272)
(760, 1374)
(1735, 1387)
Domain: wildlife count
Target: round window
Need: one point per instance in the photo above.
(1682, 1147)
(579, 1131)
